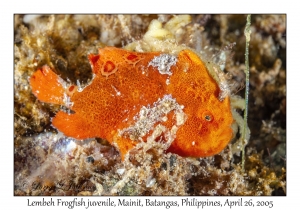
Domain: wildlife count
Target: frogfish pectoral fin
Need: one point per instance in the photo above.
(123, 144)
(72, 125)
(46, 86)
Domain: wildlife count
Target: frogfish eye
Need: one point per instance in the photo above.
(207, 116)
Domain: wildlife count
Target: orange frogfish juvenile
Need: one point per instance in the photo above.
(136, 96)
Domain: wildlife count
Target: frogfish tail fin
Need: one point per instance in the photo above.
(47, 86)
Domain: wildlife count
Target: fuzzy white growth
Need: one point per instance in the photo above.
(150, 115)
(225, 90)
(118, 93)
(222, 60)
(67, 101)
(62, 82)
(163, 63)
(66, 98)
(168, 81)
(80, 89)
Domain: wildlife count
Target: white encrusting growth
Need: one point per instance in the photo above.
(163, 62)
(168, 81)
(79, 88)
(150, 115)
(118, 93)
(223, 84)
(67, 101)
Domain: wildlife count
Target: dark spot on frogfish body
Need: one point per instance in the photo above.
(109, 67)
(132, 57)
(71, 88)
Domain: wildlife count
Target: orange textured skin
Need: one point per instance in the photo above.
(125, 82)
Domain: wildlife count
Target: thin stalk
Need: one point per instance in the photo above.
(247, 33)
